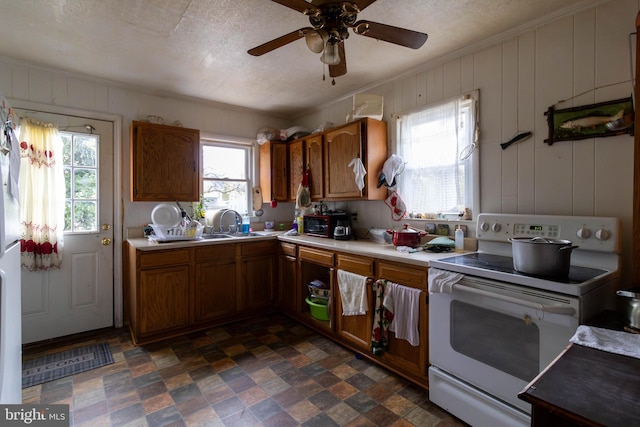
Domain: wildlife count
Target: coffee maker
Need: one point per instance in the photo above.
(342, 230)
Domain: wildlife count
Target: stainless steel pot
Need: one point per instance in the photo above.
(541, 256)
(631, 306)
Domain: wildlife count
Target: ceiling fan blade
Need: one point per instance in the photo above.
(276, 43)
(391, 34)
(299, 5)
(362, 4)
(339, 69)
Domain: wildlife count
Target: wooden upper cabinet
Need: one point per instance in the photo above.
(296, 166)
(165, 162)
(366, 139)
(313, 158)
(273, 171)
(306, 153)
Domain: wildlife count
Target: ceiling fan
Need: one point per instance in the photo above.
(330, 21)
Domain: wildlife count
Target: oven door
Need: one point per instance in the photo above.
(496, 336)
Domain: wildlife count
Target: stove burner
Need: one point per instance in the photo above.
(504, 264)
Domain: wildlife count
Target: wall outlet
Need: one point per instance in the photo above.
(354, 217)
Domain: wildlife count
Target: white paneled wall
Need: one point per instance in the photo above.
(53, 88)
(582, 58)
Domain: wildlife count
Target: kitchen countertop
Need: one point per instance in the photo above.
(358, 247)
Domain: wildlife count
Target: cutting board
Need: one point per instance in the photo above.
(257, 198)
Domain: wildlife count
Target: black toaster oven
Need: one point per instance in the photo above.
(323, 225)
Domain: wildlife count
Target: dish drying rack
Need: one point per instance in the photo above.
(166, 234)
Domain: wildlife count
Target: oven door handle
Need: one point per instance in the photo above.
(563, 310)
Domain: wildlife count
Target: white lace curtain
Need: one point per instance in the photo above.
(42, 195)
(429, 143)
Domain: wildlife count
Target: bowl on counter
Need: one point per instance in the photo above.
(380, 235)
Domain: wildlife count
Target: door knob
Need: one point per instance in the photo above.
(106, 241)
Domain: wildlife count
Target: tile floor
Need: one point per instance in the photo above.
(269, 371)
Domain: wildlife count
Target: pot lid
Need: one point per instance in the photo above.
(542, 240)
(406, 229)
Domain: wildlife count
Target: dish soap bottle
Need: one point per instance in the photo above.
(459, 240)
(246, 223)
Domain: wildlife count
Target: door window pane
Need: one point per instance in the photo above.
(81, 176)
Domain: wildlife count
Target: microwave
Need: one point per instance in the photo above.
(323, 225)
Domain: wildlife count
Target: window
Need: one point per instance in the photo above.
(80, 160)
(226, 175)
(437, 144)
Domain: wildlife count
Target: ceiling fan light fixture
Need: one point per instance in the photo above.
(331, 55)
(315, 41)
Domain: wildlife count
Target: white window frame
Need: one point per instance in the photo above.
(471, 163)
(232, 142)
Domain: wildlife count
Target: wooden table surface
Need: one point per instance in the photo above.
(586, 387)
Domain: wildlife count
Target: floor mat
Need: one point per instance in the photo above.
(58, 365)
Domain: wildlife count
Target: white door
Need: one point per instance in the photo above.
(77, 297)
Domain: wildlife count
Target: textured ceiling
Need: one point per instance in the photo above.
(198, 48)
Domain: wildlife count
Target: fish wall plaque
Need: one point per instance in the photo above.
(609, 118)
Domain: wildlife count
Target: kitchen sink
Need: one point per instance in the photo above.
(216, 236)
(244, 234)
(229, 235)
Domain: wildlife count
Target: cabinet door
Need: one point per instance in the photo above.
(273, 170)
(163, 299)
(258, 276)
(401, 354)
(164, 162)
(314, 159)
(215, 289)
(355, 329)
(342, 145)
(296, 167)
(287, 278)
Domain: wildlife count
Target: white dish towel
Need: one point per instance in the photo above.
(353, 293)
(442, 281)
(618, 342)
(406, 312)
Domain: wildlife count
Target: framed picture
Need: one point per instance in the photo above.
(609, 118)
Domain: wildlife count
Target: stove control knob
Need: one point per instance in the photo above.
(603, 234)
(484, 226)
(584, 233)
(496, 227)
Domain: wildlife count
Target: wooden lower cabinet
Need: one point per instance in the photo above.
(176, 291)
(288, 278)
(164, 297)
(316, 264)
(355, 329)
(258, 276)
(401, 354)
(159, 292)
(216, 287)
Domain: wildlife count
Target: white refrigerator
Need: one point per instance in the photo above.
(10, 293)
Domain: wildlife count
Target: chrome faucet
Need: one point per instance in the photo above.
(238, 219)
